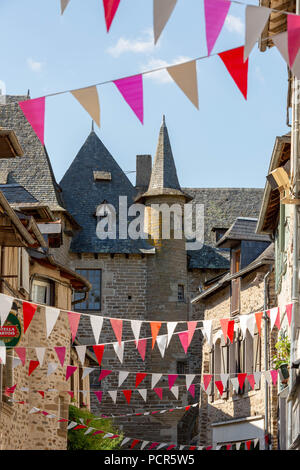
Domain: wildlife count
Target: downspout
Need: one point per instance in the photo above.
(266, 305)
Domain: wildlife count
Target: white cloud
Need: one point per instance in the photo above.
(234, 24)
(137, 46)
(161, 76)
(34, 65)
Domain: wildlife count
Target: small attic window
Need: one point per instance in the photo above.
(102, 176)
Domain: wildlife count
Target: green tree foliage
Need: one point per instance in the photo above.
(78, 441)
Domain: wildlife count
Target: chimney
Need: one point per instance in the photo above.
(143, 172)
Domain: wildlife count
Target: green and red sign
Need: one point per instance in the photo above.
(11, 331)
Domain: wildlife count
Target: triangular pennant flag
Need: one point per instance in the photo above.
(96, 324)
(257, 376)
(159, 392)
(40, 354)
(293, 29)
(134, 443)
(32, 366)
(207, 329)
(144, 444)
(5, 307)
(87, 371)
(235, 384)
(184, 339)
(237, 445)
(155, 327)
(71, 394)
(51, 315)
(52, 366)
(143, 393)
(289, 309)
(161, 14)
(172, 379)
(113, 395)
(175, 391)
(248, 445)
(192, 390)
(74, 319)
(206, 380)
(99, 350)
(185, 76)
(122, 377)
(104, 373)
(131, 88)
(238, 69)
(81, 351)
(251, 322)
(274, 376)
(274, 317)
(110, 8)
(127, 395)
(117, 326)
(139, 377)
(251, 380)
(163, 444)
(2, 354)
(119, 350)
(22, 354)
(189, 379)
(224, 379)
(99, 394)
(61, 354)
(241, 379)
(141, 347)
(63, 5)
(89, 100)
(127, 439)
(34, 111)
(162, 343)
(29, 310)
(243, 324)
(219, 386)
(281, 42)
(155, 378)
(215, 15)
(224, 325)
(171, 328)
(191, 329)
(230, 330)
(256, 18)
(70, 371)
(136, 328)
(258, 318)
(16, 362)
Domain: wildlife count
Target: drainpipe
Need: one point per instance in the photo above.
(266, 305)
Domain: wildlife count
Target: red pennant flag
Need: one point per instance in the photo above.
(99, 350)
(80, 426)
(155, 327)
(241, 379)
(192, 390)
(134, 443)
(206, 380)
(228, 447)
(184, 339)
(141, 347)
(70, 371)
(61, 354)
(34, 111)
(153, 445)
(238, 69)
(99, 394)
(159, 392)
(288, 309)
(139, 378)
(70, 393)
(171, 447)
(110, 8)
(208, 448)
(258, 317)
(248, 444)
(32, 366)
(74, 319)
(251, 380)
(42, 393)
(22, 354)
(172, 379)
(230, 330)
(29, 310)
(192, 447)
(224, 325)
(104, 373)
(127, 394)
(277, 321)
(117, 326)
(131, 88)
(219, 386)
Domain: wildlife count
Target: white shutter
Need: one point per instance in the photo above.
(24, 276)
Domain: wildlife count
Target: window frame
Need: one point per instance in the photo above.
(79, 306)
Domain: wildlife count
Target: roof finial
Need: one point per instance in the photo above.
(28, 94)
(164, 120)
(92, 126)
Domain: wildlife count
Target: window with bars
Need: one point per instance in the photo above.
(93, 301)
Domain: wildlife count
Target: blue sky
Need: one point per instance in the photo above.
(227, 143)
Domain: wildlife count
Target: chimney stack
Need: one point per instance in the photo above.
(143, 172)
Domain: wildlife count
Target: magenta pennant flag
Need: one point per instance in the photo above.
(34, 111)
(141, 347)
(22, 354)
(192, 390)
(131, 88)
(159, 392)
(172, 379)
(70, 371)
(99, 395)
(293, 27)
(153, 445)
(184, 339)
(104, 373)
(215, 15)
(117, 326)
(274, 375)
(74, 319)
(61, 353)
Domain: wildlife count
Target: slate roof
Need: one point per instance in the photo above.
(82, 195)
(243, 228)
(33, 170)
(16, 194)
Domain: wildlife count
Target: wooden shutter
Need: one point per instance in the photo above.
(24, 277)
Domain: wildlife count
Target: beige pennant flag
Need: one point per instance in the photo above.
(162, 10)
(89, 99)
(185, 76)
(63, 5)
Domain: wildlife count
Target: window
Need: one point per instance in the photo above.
(180, 293)
(43, 292)
(181, 367)
(93, 301)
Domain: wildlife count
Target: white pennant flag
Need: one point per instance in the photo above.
(108, 434)
(189, 379)
(52, 366)
(251, 322)
(162, 343)
(161, 445)
(238, 445)
(256, 18)
(96, 324)
(51, 315)
(125, 441)
(268, 377)
(144, 444)
(207, 330)
(143, 393)
(155, 379)
(122, 376)
(24, 389)
(224, 379)
(2, 355)
(33, 410)
(235, 384)
(16, 362)
(87, 371)
(88, 431)
(40, 354)
(119, 350)
(113, 395)
(72, 425)
(243, 324)
(175, 391)
(257, 376)
(181, 447)
(136, 328)
(171, 328)
(5, 307)
(273, 316)
(81, 351)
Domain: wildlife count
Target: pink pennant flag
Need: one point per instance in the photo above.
(184, 339)
(215, 15)
(159, 392)
(99, 395)
(224, 325)
(141, 347)
(34, 111)
(117, 326)
(61, 353)
(104, 373)
(288, 309)
(131, 88)
(192, 390)
(110, 9)
(206, 380)
(172, 379)
(274, 376)
(22, 354)
(191, 330)
(70, 371)
(74, 319)
(293, 28)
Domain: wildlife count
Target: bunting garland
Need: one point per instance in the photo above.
(162, 11)
(110, 9)
(238, 69)
(215, 15)
(34, 111)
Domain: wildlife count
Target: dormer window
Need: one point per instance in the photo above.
(102, 176)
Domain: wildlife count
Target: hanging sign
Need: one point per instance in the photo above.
(11, 331)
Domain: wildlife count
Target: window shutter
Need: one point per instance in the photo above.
(24, 278)
(235, 296)
(257, 356)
